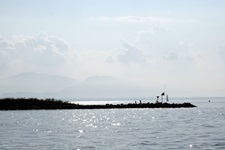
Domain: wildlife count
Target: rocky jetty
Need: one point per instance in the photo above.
(38, 104)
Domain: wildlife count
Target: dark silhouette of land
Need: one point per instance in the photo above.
(49, 103)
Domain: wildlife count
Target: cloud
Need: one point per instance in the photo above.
(131, 54)
(41, 50)
(161, 43)
(171, 56)
(4, 44)
(41, 40)
(3, 61)
(159, 37)
(221, 52)
(134, 19)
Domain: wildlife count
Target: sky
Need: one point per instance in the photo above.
(177, 43)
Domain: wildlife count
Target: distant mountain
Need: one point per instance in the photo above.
(95, 86)
(28, 83)
(103, 87)
(31, 84)
(34, 77)
(101, 79)
(30, 94)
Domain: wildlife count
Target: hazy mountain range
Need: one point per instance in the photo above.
(31, 84)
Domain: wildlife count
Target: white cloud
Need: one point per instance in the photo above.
(221, 52)
(131, 54)
(39, 50)
(5, 44)
(171, 56)
(165, 44)
(134, 19)
(160, 37)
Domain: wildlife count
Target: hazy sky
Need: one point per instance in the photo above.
(180, 43)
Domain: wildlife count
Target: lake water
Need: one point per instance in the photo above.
(182, 128)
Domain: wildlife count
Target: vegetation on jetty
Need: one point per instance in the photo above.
(35, 104)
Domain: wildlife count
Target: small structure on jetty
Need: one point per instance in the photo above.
(163, 94)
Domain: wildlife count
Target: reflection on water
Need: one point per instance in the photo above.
(183, 128)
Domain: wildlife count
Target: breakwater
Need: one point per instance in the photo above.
(38, 104)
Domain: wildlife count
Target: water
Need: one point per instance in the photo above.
(184, 128)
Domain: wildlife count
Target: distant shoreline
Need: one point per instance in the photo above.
(52, 104)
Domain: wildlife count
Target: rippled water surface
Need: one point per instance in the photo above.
(184, 128)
